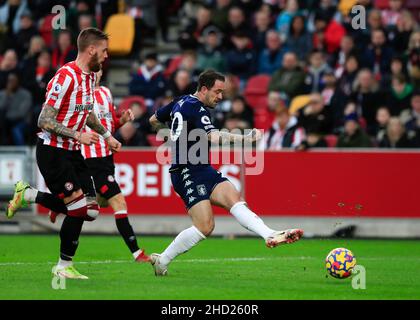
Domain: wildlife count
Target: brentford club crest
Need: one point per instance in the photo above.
(111, 178)
(68, 186)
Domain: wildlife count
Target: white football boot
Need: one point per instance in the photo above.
(283, 237)
(160, 269)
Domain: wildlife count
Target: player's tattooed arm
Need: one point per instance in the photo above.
(93, 122)
(47, 121)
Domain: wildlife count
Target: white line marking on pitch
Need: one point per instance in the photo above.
(179, 261)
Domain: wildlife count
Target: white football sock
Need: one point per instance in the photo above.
(30, 195)
(249, 220)
(64, 263)
(181, 244)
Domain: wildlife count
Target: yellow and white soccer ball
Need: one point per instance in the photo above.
(340, 263)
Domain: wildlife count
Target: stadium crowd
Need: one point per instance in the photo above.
(300, 70)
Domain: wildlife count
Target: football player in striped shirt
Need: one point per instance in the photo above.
(100, 160)
(68, 108)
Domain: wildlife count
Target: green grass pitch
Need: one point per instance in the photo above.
(216, 269)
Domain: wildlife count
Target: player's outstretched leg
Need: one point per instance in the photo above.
(125, 229)
(203, 225)
(25, 194)
(225, 195)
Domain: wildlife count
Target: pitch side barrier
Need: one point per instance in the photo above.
(16, 163)
(371, 183)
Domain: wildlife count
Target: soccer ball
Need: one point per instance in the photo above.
(340, 263)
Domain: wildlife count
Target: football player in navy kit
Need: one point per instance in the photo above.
(195, 180)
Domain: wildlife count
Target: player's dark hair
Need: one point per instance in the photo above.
(208, 78)
(88, 37)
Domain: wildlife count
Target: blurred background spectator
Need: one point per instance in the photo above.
(303, 56)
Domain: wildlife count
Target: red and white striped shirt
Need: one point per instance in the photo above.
(70, 92)
(105, 111)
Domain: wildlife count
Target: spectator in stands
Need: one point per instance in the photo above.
(240, 116)
(313, 140)
(85, 21)
(353, 136)
(318, 67)
(299, 40)
(130, 136)
(382, 118)
(399, 95)
(35, 79)
(15, 105)
(64, 51)
(241, 60)
(391, 16)
(262, 25)
(26, 32)
(378, 55)
(9, 64)
(413, 54)
(36, 46)
(398, 68)
(191, 36)
(367, 97)
(347, 79)
(362, 37)
(181, 84)
(189, 63)
(284, 19)
(237, 24)
(271, 57)
(141, 122)
(396, 136)
(411, 117)
(231, 91)
(339, 58)
(290, 78)
(284, 133)
(406, 25)
(220, 12)
(145, 16)
(210, 55)
(316, 116)
(10, 17)
(148, 80)
(74, 12)
(328, 33)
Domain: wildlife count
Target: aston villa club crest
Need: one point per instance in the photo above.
(201, 189)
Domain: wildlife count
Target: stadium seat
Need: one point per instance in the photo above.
(298, 102)
(255, 89)
(128, 101)
(345, 6)
(331, 140)
(382, 4)
(151, 138)
(263, 119)
(172, 66)
(120, 28)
